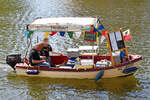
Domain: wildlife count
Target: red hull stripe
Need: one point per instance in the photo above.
(79, 70)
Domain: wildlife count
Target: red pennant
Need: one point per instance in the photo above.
(127, 37)
(104, 33)
(52, 33)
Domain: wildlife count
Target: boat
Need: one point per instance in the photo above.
(84, 62)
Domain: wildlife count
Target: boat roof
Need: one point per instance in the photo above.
(62, 24)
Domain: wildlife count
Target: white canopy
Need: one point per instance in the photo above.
(62, 24)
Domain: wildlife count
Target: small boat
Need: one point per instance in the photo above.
(84, 62)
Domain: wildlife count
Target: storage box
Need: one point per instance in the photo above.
(73, 53)
(87, 62)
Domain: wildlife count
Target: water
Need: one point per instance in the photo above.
(114, 14)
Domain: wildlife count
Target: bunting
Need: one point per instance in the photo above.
(52, 33)
(100, 27)
(95, 30)
(46, 34)
(28, 33)
(70, 34)
(103, 36)
(62, 33)
(99, 33)
(76, 35)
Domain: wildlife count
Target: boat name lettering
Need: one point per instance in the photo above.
(59, 27)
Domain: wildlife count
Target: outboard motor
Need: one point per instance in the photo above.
(13, 59)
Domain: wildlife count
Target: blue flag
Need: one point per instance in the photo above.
(95, 30)
(100, 27)
(26, 33)
(62, 33)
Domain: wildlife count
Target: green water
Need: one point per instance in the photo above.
(114, 14)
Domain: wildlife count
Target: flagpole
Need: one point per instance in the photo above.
(100, 22)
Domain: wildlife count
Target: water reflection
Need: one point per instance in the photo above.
(45, 88)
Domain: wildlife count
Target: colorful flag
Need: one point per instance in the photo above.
(76, 35)
(46, 34)
(52, 33)
(95, 30)
(127, 35)
(28, 33)
(100, 27)
(99, 33)
(103, 36)
(70, 34)
(104, 33)
(62, 33)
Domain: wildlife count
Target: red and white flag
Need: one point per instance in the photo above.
(103, 36)
(52, 33)
(127, 35)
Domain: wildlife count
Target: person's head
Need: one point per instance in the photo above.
(38, 46)
(45, 42)
(41, 45)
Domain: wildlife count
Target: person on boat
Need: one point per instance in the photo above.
(45, 52)
(34, 56)
(122, 56)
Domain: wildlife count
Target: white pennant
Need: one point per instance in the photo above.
(102, 39)
(76, 35)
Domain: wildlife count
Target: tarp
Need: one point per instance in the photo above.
(62, 24)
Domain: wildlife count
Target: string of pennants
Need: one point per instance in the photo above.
(76, 35)
(71, 34)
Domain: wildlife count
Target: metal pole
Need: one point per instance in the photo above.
(28, 47)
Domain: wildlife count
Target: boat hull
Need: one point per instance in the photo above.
(109, 72)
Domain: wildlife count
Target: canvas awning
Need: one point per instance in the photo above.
(62, 24)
